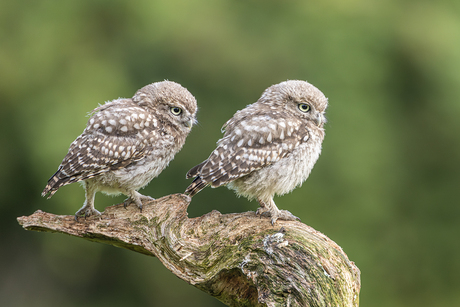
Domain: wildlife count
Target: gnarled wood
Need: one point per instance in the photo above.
(241, 259)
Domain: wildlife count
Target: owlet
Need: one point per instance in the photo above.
(127, 143)
(268, 148)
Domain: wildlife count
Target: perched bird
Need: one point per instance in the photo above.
(268, 148)
(127, 143)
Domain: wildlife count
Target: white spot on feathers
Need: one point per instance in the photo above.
(269, 137)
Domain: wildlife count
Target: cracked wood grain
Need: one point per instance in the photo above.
(240, 259)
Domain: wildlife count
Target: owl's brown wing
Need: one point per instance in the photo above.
(115, 137)
(247, 145)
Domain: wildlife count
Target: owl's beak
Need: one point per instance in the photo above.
(189, 123)
(320, 119)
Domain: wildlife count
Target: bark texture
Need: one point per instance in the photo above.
(240, 259)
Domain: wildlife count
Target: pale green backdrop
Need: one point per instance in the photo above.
(386, 187)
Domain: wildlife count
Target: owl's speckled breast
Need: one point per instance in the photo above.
(281, 177)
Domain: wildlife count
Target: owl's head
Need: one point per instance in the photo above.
(170, 101)
(299, 98)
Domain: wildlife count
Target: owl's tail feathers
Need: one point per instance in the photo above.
(196, 186)
(56, 181)
(195, 171)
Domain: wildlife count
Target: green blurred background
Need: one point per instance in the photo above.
(386, 187)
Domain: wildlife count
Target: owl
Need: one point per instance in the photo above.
(127, 143)
(268, 148)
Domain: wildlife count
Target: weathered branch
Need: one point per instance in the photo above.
(241, 259)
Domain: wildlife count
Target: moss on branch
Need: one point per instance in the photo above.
(240, 259)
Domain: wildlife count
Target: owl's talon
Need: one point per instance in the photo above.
(146, 198)
(127, 202)
(141, 199)
(265, 214)
(261, 211)
(86, 211)
(283, 215)
(137, 201)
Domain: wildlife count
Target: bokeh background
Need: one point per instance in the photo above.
(386, 187)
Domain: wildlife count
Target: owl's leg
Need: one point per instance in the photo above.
(275, 213)
(262, 209)
(137, 198)
(88, 207)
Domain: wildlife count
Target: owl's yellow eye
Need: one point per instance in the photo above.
(176, 110)
(304, 107)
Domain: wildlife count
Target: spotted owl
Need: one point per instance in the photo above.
(127, 143)
(268, 148)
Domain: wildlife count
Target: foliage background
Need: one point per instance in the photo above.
(386, 187)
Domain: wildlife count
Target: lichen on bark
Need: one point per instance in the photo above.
(240, 259)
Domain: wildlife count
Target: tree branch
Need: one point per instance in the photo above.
(240, 259)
